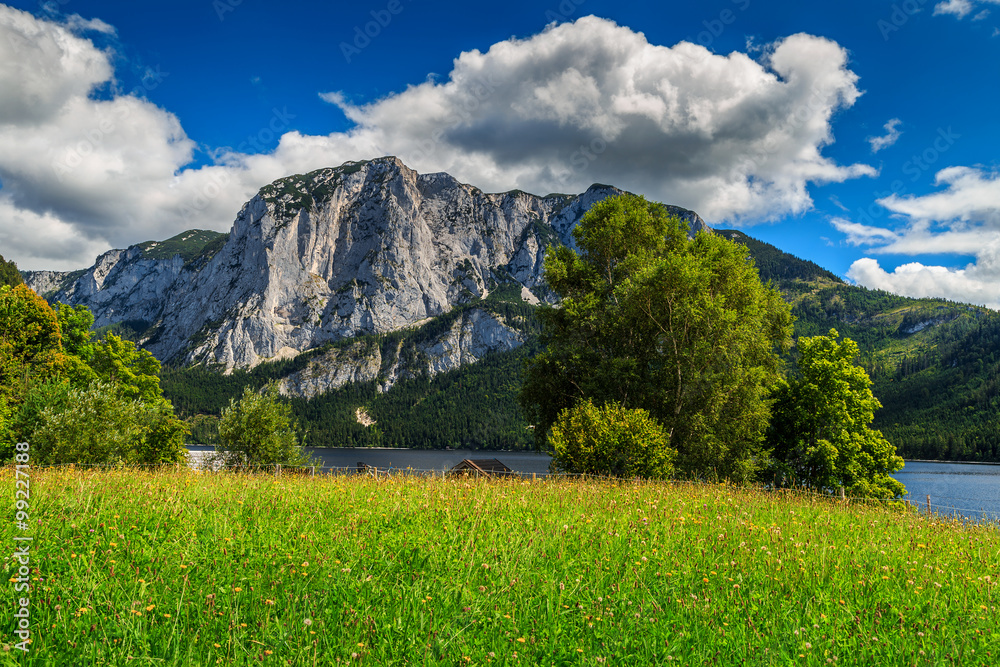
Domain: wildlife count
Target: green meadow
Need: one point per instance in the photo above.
(187, 568)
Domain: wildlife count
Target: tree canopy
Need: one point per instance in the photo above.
(9, 275)
(820, 426)
(30, 347)
(78, 399)
(649, 318)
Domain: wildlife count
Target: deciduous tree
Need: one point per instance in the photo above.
(650, 318)
(258, 430)
(820, 429)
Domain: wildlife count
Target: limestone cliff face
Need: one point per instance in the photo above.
(364, 248)
(472, 335)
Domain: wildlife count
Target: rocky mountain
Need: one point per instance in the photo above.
(466, 339)
(364, 248)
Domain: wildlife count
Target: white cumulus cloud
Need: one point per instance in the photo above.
(736, 138)
(968, 285)
(962, 219)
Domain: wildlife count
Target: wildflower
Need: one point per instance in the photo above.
(308, 622)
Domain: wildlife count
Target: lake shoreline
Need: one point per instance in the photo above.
(971, 463)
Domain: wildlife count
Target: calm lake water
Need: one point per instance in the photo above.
(968, 490)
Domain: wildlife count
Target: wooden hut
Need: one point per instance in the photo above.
(477, 467)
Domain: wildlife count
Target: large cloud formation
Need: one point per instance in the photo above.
(735, 138)
(962, 219)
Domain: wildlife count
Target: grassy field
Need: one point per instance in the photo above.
(182, 568)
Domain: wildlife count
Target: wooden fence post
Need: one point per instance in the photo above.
(928, 503)
(277, 470)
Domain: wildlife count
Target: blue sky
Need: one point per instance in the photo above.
(861, 135)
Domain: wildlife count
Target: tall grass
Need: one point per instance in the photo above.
(183, 568)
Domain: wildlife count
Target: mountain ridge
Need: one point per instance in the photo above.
(364, 248)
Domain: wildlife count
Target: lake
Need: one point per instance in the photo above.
(969, 490)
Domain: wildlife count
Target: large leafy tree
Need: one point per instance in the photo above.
(135, 371)
(31, 353)
(650, 318)
(820, 432)
(30, 340)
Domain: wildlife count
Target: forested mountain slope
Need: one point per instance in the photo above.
(935, 364)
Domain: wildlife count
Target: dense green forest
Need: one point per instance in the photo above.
(474, 407)
(934, 364)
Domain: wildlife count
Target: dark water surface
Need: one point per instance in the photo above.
(969, 490)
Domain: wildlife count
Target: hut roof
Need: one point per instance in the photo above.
(482, 466)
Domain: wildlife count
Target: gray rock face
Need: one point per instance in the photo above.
(364, 248)
(474, 334)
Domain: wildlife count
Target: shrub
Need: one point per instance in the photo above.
(258, 430)
(611, 440)
(94, 426)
